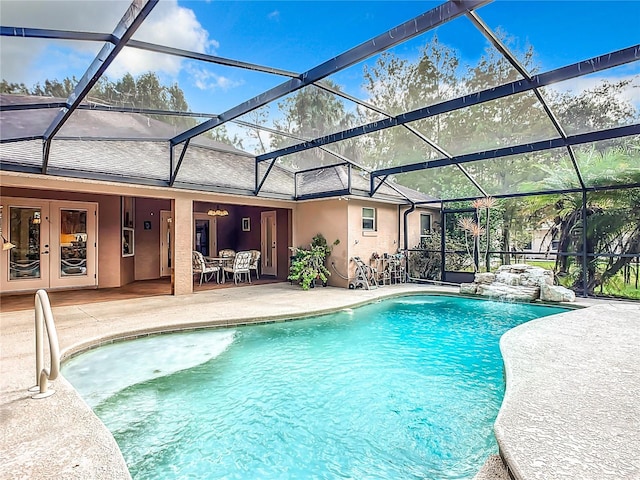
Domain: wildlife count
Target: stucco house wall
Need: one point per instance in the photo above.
(147, 258)
(385, 237)
(328, 217)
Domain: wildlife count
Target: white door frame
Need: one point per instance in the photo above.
(269, 243)
(166, 241)
(213, 232)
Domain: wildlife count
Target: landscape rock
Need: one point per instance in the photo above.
(556, 293)
(519, 282)
(515, 293)
(468, 288)
(484, 278)
(508, 278)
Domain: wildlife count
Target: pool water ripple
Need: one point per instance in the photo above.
(403, 388)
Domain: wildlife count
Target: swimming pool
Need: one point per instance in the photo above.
(403, 388)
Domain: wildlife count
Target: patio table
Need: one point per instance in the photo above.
(220, 262)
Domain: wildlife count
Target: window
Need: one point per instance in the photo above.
(369, 219)
(425, 226)
(128, 209)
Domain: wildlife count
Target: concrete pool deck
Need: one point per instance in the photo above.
(572, 404)
(60, 437)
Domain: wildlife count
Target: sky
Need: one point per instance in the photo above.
(297, 35)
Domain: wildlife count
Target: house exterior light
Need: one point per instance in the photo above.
(218, 213)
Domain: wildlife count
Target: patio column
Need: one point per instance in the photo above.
(182, 246)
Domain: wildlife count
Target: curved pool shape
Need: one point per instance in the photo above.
(403, 388)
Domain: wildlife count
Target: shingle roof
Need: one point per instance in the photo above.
(134, 148)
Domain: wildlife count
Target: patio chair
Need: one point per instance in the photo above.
(255, 262)
(200, 266)
(240, 267)
(226, 253)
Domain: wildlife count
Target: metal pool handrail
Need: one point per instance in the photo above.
(44, 316)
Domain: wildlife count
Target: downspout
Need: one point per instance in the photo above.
(443, 239)
(406, 238)
(397, 241)
(406, 225)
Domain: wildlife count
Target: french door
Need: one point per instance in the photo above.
(54, 244)
(269, 243)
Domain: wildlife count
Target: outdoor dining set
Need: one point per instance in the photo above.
(228, 264)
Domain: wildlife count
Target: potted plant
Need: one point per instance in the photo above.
(308, 264)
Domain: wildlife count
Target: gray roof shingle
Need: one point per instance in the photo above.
(135, 148)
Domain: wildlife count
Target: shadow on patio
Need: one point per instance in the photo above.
(141, 288)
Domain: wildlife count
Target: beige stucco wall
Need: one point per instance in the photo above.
(364, 243)
(147, 258)
(328, 217)
(342, 219)
(183, 244)
(109, 243)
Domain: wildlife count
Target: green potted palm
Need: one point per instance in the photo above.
(308, 265)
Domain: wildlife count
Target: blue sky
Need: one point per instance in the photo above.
(297, 35)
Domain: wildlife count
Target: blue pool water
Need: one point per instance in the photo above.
(404, 388)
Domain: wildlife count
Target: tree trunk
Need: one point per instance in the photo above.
(506, 240)
(632, 246)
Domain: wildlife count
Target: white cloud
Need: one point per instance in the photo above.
(275, 15)
(578, 85)
(94, 16)
(171, 25)
(168, 24)
(207, 80)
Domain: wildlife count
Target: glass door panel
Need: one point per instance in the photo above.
(269, 243)
(24, 233)
(202, 237)
(25, 265)
(73, 242)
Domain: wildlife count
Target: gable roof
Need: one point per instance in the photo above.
(134, 148)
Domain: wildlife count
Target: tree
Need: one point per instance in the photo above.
(398, 85)
(602, 106)
(221, 134)
(310, 113)
(612, 216)
(258, 117)
(144, 92)
(54, 88)
(13, 88)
